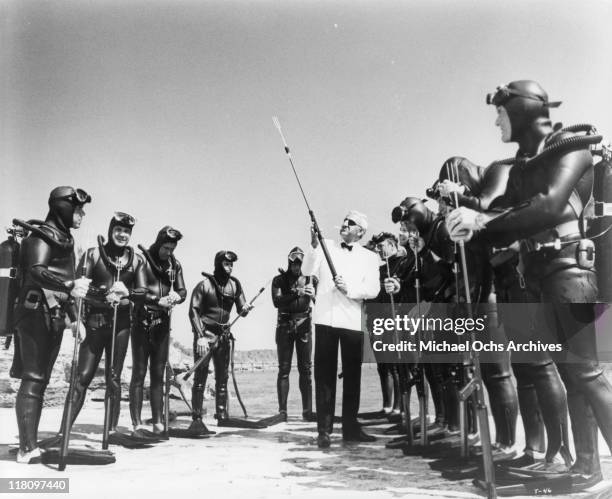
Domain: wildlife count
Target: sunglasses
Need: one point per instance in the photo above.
(349, 222)
(124, 218)
(77, 196)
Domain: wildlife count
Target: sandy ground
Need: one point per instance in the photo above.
(279, 461)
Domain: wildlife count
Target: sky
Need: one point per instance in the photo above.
(164, 109)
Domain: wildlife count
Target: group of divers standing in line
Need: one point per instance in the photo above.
(532, 229)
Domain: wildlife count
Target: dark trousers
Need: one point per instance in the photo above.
(327, 339)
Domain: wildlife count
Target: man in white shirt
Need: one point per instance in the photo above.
(337, 318)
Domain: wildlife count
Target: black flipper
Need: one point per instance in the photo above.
(372, 415)
(564, 484)
(150, 434)
(129, 442)
(147, 436)
(188, 433)
(272, 420)
(536, 470)
(240, 423)
(79, 457)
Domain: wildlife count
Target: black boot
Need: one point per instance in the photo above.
(136, 396)
(27, 407)
(221, 404)
(452, 401)
(503, 401)
(436, 384)
(535, 431)
(282, 390)
(553, 405)
(197, 401)
(584, 428)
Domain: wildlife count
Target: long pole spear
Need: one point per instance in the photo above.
(475, 385)
(67, 419)
(315, 225)
(185, 376)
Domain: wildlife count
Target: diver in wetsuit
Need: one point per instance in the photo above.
(45, 300)
(211, 303)
(117, 273)
(150, 336)
(546, 197)
(292, 295)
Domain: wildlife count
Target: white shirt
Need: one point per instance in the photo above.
(358, 267)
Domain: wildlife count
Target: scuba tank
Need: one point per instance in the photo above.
(9, 278)
(601, 227)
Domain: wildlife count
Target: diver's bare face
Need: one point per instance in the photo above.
(295, 267)
(227, 267)
(503, 122)
(121, 236)
(386, 249)
(166, 250)
(77, 217)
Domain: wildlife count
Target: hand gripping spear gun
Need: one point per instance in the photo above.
(315, 225)
(475, 385)
(205, 358)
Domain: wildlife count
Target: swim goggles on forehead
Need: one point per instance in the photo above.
(77, 196)
(296, 255)
(124, 218)
(503, 94)
(230, 256)
(381, 237)
(173, 234)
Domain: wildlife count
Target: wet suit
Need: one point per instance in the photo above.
(294, 327)
(47, 263)
(151, 332)
(209, 311)
(101, 269)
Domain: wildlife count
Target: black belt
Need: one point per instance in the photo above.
(294, 315)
